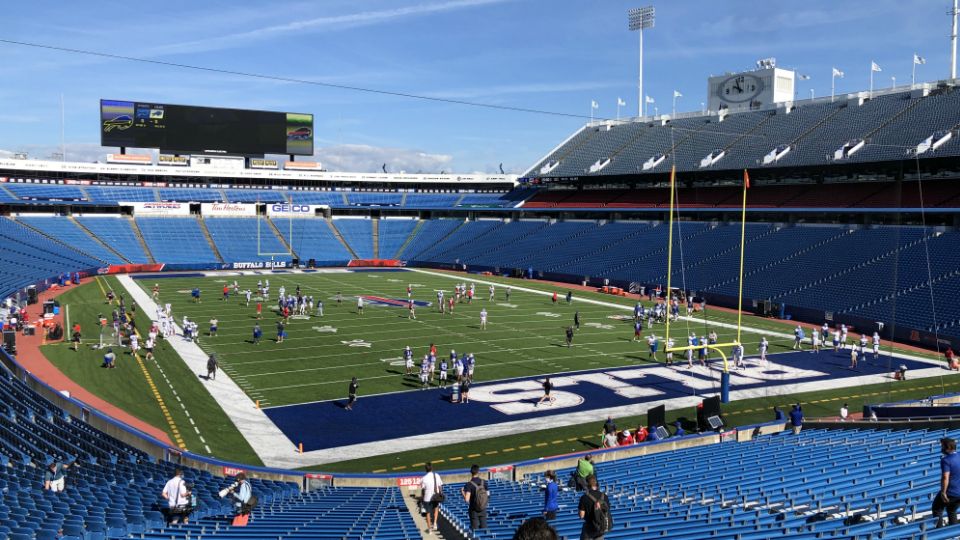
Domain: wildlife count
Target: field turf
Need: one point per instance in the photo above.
(524, 338)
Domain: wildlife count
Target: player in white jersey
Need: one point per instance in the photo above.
(483, 319)
(843, 336)
(248, 294)
(863, 347)
(815, 340)
(492, 291)
(836, 340)
(459, 367)
(134, 343)
(440, 300)
(876, 346)
(670, 345)
(824, 333)
(764, 347)
(408, 360)
(738, 357)
(424, 372)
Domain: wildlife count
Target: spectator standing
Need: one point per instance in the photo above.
(476, 495)
(844, 413)
(176, 493)
(594, 510)
(431, 486)
(948, 498)
(778, 415)
(796, 419)
(550, 495)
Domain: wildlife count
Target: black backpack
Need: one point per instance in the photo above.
(600, 518)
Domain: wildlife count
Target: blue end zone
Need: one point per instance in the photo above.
(385, 417)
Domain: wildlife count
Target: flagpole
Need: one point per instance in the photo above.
(673, 180)
(833, 85)
(871, 80)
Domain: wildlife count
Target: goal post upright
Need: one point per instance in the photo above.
(725, 375)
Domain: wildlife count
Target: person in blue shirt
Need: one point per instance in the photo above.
(653, 435)
(550, 495)
(948, 497)
(680, 432)
(257, 334)
(778, 414)
(796, 419)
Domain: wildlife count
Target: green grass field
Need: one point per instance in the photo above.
(524, 338)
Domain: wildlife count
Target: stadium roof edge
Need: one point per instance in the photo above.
(28, 166)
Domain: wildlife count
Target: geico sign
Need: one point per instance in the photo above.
(291, 208)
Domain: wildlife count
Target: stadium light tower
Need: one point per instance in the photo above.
(953, 39)
(640, 19)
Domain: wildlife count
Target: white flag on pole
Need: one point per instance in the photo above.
(874, 67)
(676, 93)
(594, 105)
(917, 59)
(649, 99)
(621, 102)
(837, 73)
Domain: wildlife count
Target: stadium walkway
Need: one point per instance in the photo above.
(270, 444)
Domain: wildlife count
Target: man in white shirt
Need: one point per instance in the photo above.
(176, 493)
(431, 485)
(844, 413)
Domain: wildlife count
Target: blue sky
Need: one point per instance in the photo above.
(551, 55)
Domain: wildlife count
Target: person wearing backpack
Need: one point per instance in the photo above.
(594, 511)
(432, 495)
(477, 496)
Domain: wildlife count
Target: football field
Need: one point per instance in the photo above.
(525, 335)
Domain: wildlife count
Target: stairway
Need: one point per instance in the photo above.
(280, 237)
(206, 234)
(143, 243)
(413, 234)
(98, 240)
(336, 232)
(375, 225)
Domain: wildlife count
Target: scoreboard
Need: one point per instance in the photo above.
(210, 130)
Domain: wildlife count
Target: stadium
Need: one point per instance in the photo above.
(736, 322)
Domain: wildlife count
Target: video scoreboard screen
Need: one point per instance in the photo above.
(188, 129)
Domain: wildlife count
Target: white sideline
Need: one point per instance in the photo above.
(276, 450)
(263, 435)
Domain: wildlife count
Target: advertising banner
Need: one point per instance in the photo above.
(179, 161)
(294, 210)
(302, 166)
(228, 209)
(140, 159)
(158, 208)
(264, 164)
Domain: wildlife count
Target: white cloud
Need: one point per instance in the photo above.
(79, 152)
(366, 158)
(327, 23)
